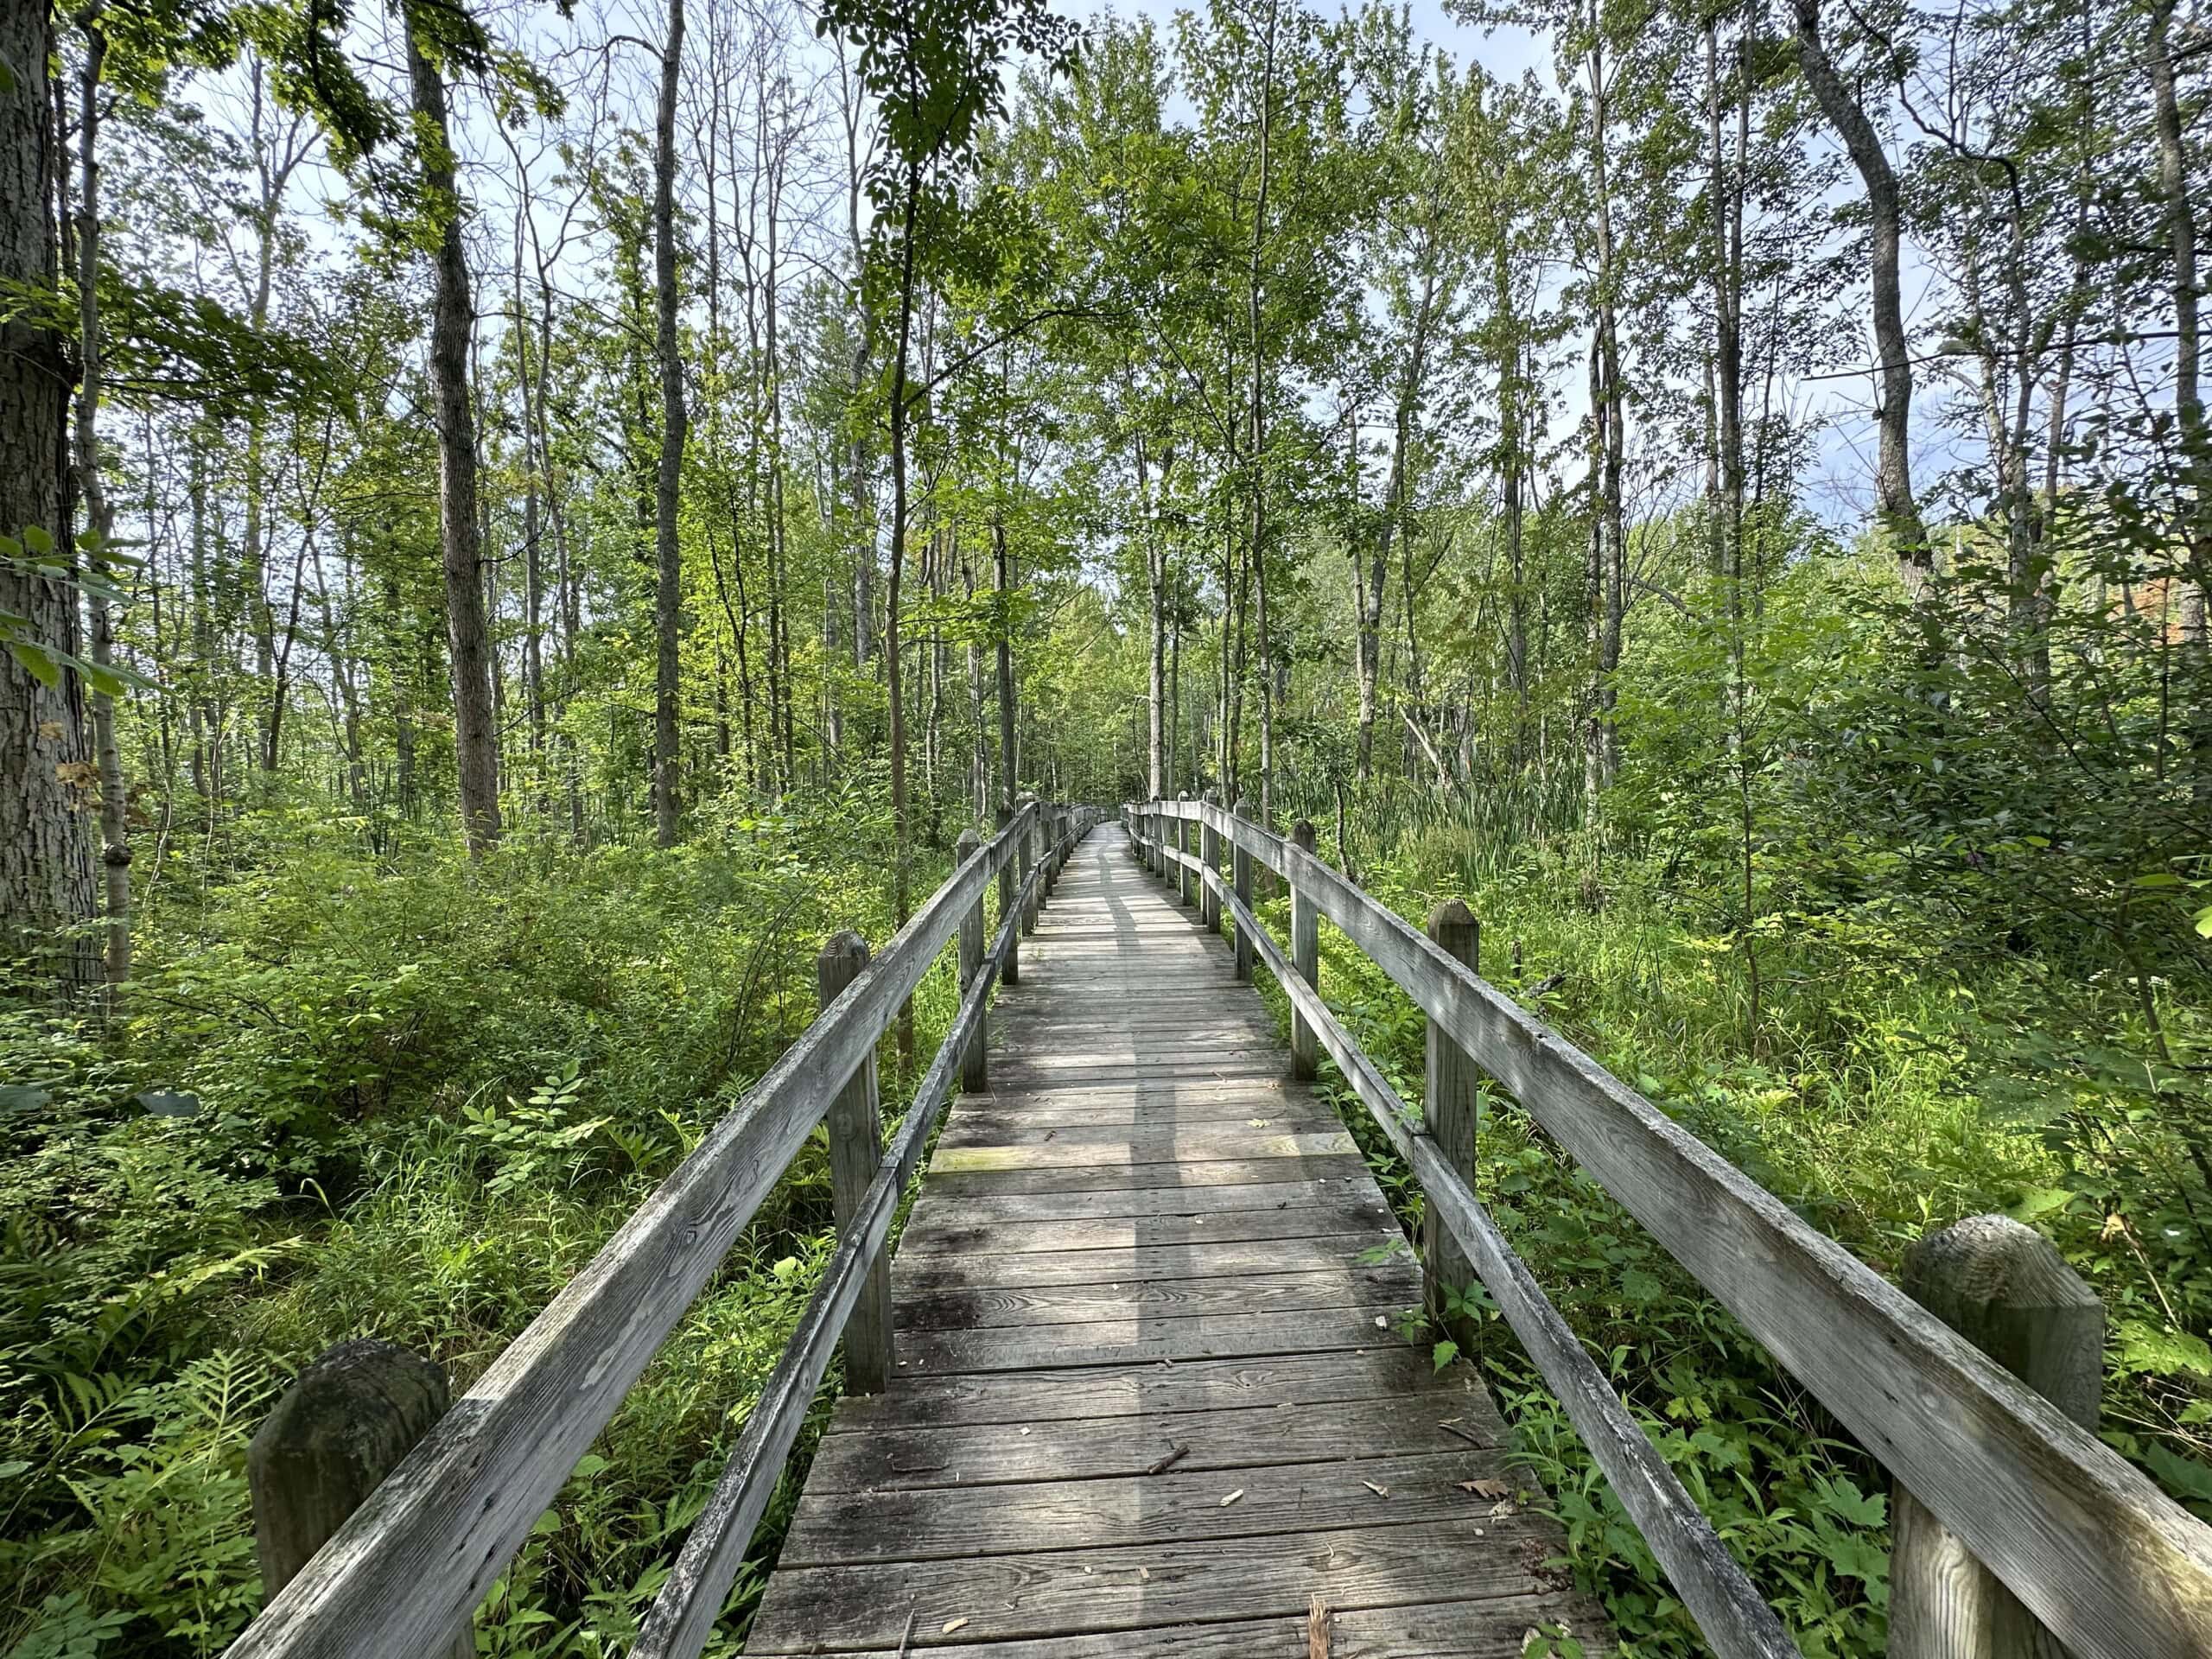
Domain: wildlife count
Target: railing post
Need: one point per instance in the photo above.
(1451, 1106)
(1185, 843)
(1010, 971)
(1209, 855)
(856, 1125)
(1029, 810)
(1305, 956)
(975, 1073)
(331, 1441)
(2006, 1289)
(1240, 865)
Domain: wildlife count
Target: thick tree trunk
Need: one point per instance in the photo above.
(46, 851)
(668, 592)
(1898, 511)
(452, 322)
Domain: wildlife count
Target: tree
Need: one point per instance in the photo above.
(46, 855)
(435, 35)
(1898, 512)
(668, 592)
(936, 71)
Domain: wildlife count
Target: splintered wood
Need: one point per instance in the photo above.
(1317, 1629)
(1147, 1395)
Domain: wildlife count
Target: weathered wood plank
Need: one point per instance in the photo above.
(1033, 1306)
(1149, 1339)
(1393, 1372)
(943, 1236)
(904, 1459)
(835, 1529)
(923, 1272)
(1225, 1172)
(983, 1125)
(1004, 1597)
(1493, 1628)
(1178, 1146)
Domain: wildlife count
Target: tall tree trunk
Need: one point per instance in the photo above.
(1609, 409)
(46, 854)
(1726, 200)
(2189, 397)
(1898, 513)
(900, 828)
(1155, 569)
(1254, 294)
(452, 322)
(1009, 782)
(668, 594)
(99, 517)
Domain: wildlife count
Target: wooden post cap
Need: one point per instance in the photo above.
(1453, 925)
(843, 957)
(1243, 807)
(1302, 836)
(329, 1442)
(2005, 1287)
(966, 846)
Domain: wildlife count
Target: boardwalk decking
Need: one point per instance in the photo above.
(1145, 1251)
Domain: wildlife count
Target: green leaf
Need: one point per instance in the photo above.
(39, 539)
(2146, 1347)
(1444, 1353)
(2183, 1475)
(2038, 1201)
(40, 663)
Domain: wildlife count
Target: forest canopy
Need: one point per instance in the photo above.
(518, 521)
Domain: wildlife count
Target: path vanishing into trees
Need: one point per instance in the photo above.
(1138, 1378)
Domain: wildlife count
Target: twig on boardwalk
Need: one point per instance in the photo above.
(906, 1639)
(1318, 1621)
(1177, 1450)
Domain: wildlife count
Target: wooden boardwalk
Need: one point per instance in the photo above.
(1149, 1397)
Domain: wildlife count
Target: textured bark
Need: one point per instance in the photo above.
(1008, 758)
(115, 829)
(2189, 396)
(1259, 441)
(452, 322)
(1899, 514)
(46, 852)
(668, 592)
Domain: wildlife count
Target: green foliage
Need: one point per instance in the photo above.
(406, 1100)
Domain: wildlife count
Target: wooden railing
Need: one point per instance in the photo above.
(1997, 1480)
(402, 1577)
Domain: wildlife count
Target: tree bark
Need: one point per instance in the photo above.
(2189, 397)
(46, 853)
(99, 517)
(1898, 514)
(668, 592)
(452, 322)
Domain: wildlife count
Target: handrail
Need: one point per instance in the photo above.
(406, 1572)
(2089, 1545)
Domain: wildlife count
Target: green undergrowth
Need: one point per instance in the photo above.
(407, 1099)
(1881, 1099)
